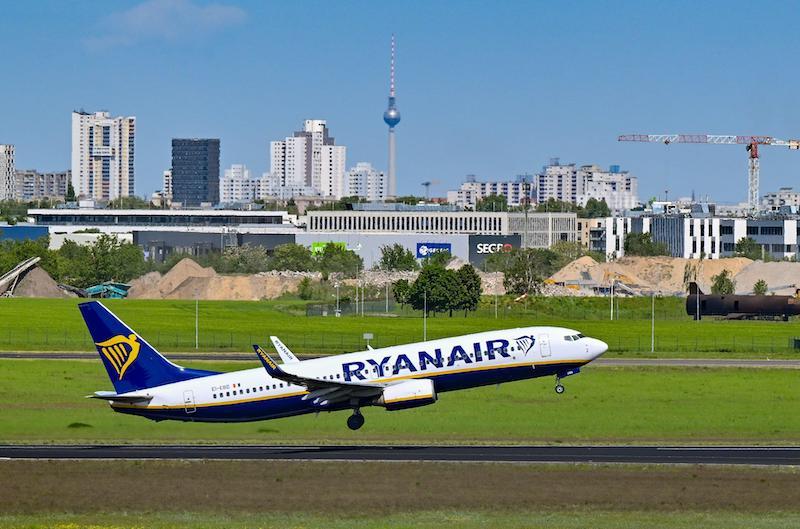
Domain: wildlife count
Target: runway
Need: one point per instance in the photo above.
(600, 362)
(516, 454)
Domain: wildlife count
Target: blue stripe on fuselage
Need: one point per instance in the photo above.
(277, 407)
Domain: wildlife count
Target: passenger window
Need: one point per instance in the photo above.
(214, 395)
(274, 386)
(260, 388)
(338, 375)
(228, 393)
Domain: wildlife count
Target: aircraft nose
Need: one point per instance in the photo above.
(597, 347)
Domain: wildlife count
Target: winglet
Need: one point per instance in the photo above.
(286, 355)
(268, 363)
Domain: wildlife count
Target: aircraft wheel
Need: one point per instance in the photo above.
(559, 389)
(355, 421)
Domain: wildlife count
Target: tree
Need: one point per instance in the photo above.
(596, 209)
(401, 290)
(760, 288)
(304, 289)
(295, 257)
(130, 202)
(492, 203)
(525, 269)
(70, 196)
(557, 205)
(433, 289)
(723, 283)
(747, 247)
(643, 244)
(438, 259)
(469, 289)
(397, 257)
(243, 260)
(335, 259)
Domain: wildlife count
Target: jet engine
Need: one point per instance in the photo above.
(408, 394)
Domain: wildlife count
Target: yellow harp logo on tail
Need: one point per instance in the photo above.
(121, 351)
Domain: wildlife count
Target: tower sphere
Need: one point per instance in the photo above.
(392, 116)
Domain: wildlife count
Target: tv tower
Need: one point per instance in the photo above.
(392, 117)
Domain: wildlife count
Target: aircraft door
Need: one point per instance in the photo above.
(188, 401)
(544, 345)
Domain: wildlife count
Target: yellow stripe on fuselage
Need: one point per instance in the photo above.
(294, 394)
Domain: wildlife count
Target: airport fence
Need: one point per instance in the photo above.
(37, 339)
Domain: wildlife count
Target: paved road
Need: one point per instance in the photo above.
(640, 362)
(562, 454)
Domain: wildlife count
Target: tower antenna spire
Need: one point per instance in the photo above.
(391, 70)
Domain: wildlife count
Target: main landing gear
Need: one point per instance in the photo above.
(355, 421)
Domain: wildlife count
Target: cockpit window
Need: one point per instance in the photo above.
(574, 337)
(568, 338)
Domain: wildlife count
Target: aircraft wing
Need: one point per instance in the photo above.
(286, 355)
(323, 392)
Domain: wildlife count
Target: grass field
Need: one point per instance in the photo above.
(43, 402)
(109, 494)
(56, 325)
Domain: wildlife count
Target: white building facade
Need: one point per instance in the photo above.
(237, 186)
(102, 155)
(33, 185)
(472, 191)
(568, 183)
(619, 189)
(7, 182)
(365, 181)
(307, 163)
(785, 196)
(166, 184)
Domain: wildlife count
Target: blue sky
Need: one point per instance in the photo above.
(489, 88)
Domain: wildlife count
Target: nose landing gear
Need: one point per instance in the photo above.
(559, 388)
(355, 421)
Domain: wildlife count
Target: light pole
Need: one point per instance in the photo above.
(196, 323)
(653, 322)
(338, 313)
(425, 316)
(612, 298)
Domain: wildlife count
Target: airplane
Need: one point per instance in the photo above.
(396, 377)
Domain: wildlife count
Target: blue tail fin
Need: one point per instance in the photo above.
(131, 362)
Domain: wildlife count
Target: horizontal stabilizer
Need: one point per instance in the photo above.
(110, 395)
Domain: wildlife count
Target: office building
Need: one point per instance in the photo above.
(195, 171)
(7, 183)
(785, 196)
(307, 163)
(30, 184)
(102, 155)
(365, 181)
(166, 185)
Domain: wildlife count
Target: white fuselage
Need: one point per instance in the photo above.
(451, 363)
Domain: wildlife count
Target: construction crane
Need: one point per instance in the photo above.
(751, 143)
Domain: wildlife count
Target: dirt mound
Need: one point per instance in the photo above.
(664, 274)
(782, 277)
(156, 286)
(36, 283)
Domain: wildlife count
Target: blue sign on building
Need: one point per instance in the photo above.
(426, 249)
(22, 232)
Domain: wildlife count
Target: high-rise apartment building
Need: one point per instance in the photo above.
(365, 181)
(166, 184)
(577, 185)
(237, 186)
(30, 184)
(307, 163)
(618, 188)
(557, 181)
(195, 171)
(102, 155)
(7, 184)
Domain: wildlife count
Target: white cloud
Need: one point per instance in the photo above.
(165, 20)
